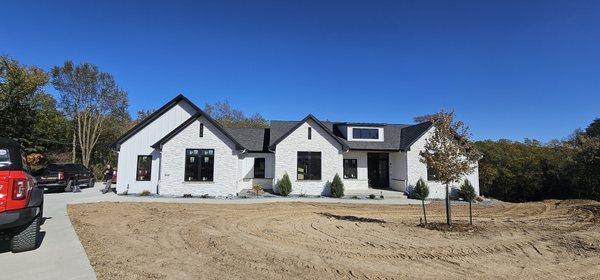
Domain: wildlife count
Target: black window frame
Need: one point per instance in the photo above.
(201, 133)
(258, 173)
(365, 133)
(431, 175)
(349, 169)
(137, 169)
(204, 166)
(6, 156)
(309, 133)
(311, 164)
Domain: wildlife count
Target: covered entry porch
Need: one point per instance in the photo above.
(375, 170)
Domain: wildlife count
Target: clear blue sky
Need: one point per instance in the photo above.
(510, 69)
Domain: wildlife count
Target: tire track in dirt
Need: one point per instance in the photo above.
(295, 240)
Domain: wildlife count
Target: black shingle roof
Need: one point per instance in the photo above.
(279, 128)
(391, 139)
(412, 133)
(253, 139)
(396, 136)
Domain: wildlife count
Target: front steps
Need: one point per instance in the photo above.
(377, 192)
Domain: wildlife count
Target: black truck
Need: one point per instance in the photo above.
(64, 176)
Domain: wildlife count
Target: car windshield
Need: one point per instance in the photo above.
(53, 167)
(81, 167)
(4, 157)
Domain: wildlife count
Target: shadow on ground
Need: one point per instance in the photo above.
(352, 218)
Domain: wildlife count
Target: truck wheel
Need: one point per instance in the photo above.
(27, 239)
(91, 183)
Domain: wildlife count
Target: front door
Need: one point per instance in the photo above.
(378, 169)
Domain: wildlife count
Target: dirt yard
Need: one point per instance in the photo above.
(550, 240)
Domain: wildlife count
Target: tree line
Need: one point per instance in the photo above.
(531, 170)
(90, 111)
(81, 122)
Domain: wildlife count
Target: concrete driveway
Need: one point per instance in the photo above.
(60, 255)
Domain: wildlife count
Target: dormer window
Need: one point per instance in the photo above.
(365, 133)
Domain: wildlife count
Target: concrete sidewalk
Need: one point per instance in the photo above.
(61, 255)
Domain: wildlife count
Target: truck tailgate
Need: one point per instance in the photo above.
(4, 186)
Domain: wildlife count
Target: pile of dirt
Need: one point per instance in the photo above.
(550, 240)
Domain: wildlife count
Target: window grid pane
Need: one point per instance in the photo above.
(199, 165)
(431, 176)
(144, 168)
(309, 166)
(365, 133)
(350, 168)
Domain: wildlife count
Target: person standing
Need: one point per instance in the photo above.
(108, 174)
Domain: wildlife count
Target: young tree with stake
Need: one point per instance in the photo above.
(421, 192)
(467, 192)
(448, 152)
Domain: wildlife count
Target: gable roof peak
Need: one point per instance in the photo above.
(155, 115)
(299, 123)
(188, 122)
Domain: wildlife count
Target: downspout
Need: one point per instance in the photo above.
(237, 168)
(406, 170)
(159, 170)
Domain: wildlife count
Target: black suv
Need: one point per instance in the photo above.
(64, 176)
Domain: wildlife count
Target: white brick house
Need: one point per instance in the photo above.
(180, 150)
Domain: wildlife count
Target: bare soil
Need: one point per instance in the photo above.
(550, 240)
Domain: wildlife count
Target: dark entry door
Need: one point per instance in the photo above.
(378, 167)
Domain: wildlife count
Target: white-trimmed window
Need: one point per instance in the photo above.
(365, 133)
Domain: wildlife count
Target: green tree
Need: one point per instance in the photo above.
(421, 191)
(449, 152)
(19, 87)
(104, 151)
(89, 97)
(337, 186)
(52, 129)
(518, 172)
(285, 185)
(467, 192)
(227, 116)
(586, 167)
(593, 130)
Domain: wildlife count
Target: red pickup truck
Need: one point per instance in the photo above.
(21, 201)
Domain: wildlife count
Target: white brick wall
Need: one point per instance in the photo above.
(331, 158)
(416, 169)
(246, 170)
(362, 180)
(173, 162)
(139, 144)
(398, 171)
